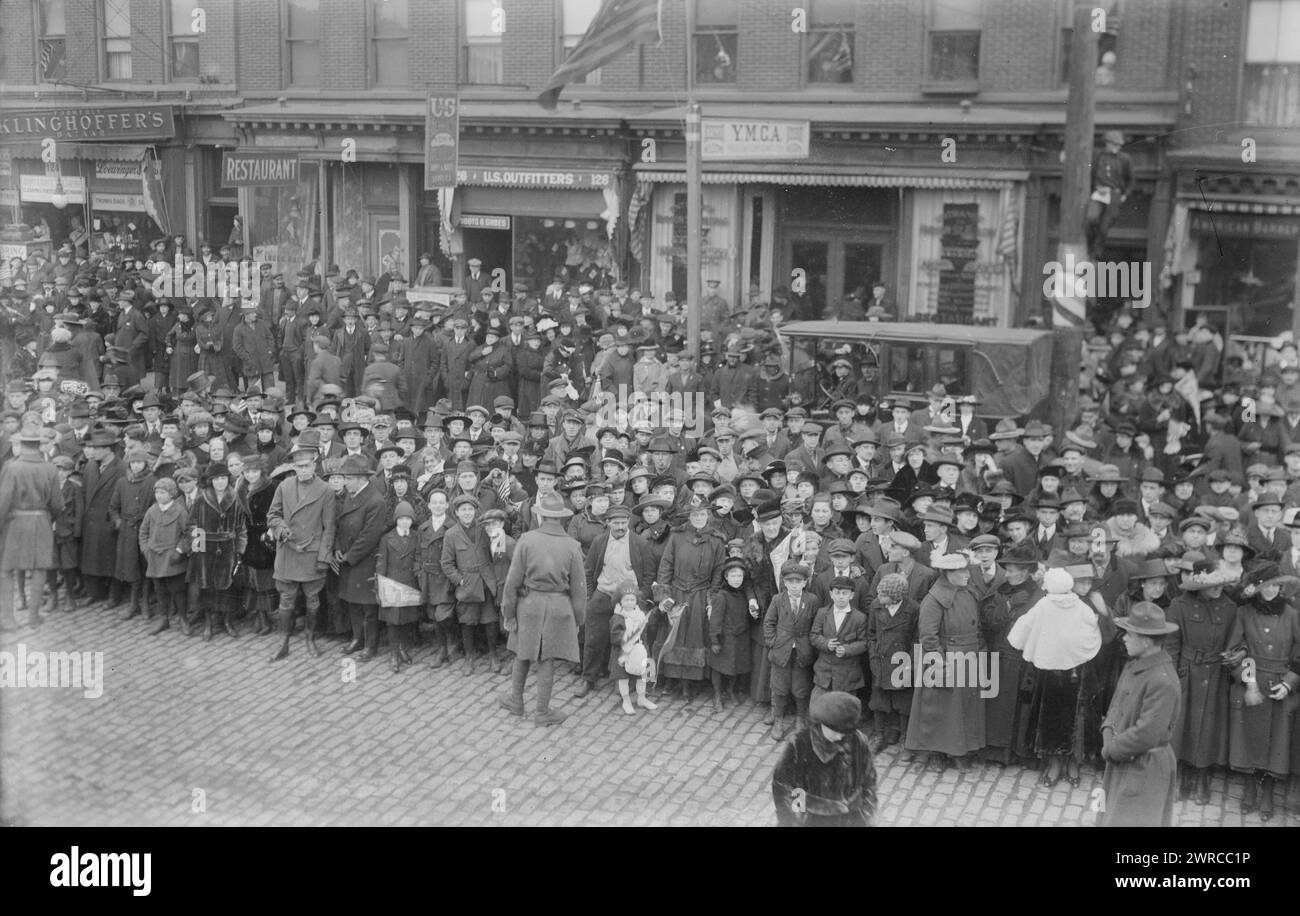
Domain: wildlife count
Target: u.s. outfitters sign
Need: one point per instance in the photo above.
(150, 122)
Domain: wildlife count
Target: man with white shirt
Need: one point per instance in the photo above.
(1048, 510)
(1265, 534)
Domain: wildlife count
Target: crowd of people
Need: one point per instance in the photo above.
(449, 480)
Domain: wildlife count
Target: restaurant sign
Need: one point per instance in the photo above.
(149, 122)
(258, 169)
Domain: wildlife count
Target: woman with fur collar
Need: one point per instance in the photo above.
(1133, 539)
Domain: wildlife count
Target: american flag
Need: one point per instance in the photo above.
(1009, 238)
(618, 25)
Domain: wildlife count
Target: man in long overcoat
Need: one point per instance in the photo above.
(543, 604)
(301, 522)
(361, 520)
(453, 366)
(99, 549)
(352, 346)
(30, 498)
(1138, 786)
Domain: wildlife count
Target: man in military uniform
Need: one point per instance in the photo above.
(543, 603)
(30, 498)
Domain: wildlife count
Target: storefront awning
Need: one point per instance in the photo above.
(1258, 206)
(108, 152)
(842, 177)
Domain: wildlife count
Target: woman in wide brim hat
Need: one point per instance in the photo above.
(1150, 582)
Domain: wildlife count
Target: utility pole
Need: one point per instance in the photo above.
(694, 167)
(1071, 311)
(694, 287)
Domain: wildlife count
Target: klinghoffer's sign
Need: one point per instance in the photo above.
(258, 169)
(149, 122)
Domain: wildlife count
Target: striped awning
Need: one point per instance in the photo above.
(1256, 206)
(844, 178)
(110, 152)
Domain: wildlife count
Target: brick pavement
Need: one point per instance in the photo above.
(185, 725)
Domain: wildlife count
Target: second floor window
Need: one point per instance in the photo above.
(830, 41)
(184, 40)
(53, 51)
(302, 42)
(484, 24)
(717, 41)
(388, 39)
(953, 43)
(575, 18)
(117, 39)
(1271, 74)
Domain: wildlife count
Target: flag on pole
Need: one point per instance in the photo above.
(618, 25)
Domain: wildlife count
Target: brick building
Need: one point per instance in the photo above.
(916, 129)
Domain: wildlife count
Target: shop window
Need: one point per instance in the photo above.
(575, 250)
(389, 34)
(953, 44)
(52, 54)
(283, 225)
(184, 41)
(117, 39)
(717, 35)
(830, 41)
(481, 53)
(302, 42)
(1271, 74)
(575, 19)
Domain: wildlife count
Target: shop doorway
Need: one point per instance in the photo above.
(220, 220)
(835, 266)
(493, 248)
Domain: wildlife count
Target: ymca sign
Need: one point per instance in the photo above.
(754, 138)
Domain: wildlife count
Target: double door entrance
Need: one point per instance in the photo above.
(836, 264)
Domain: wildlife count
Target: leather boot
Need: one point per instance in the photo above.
(1249, 793)
(467, 641)
(1266, 798)
(310, 635)
(133, 607)
(767, 716)
(207, 625)
(263, 622)
(1203, 786)
(164, 623)
(228, 626)
(441, 652)
(490, 636)
(778, 727)
(545, 683)
(286, 629)
(395, 648)
(371, 628)
(514, 700)
(1185, 780)
(716, 678)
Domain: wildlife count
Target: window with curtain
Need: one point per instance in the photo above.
(717, 41)
(575, 18)
(389, 35)
(953, 42)
(52, 55)
(117, 39)
(1271, 73)
(958, 275)
(830, 41)
(483, 25)
(302, 42)
(183, 40)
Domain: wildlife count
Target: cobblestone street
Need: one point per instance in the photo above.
(184, 725)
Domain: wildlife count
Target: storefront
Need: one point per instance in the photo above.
(1232, 253)
(946, 248)
(83, 174)
(537, 224)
